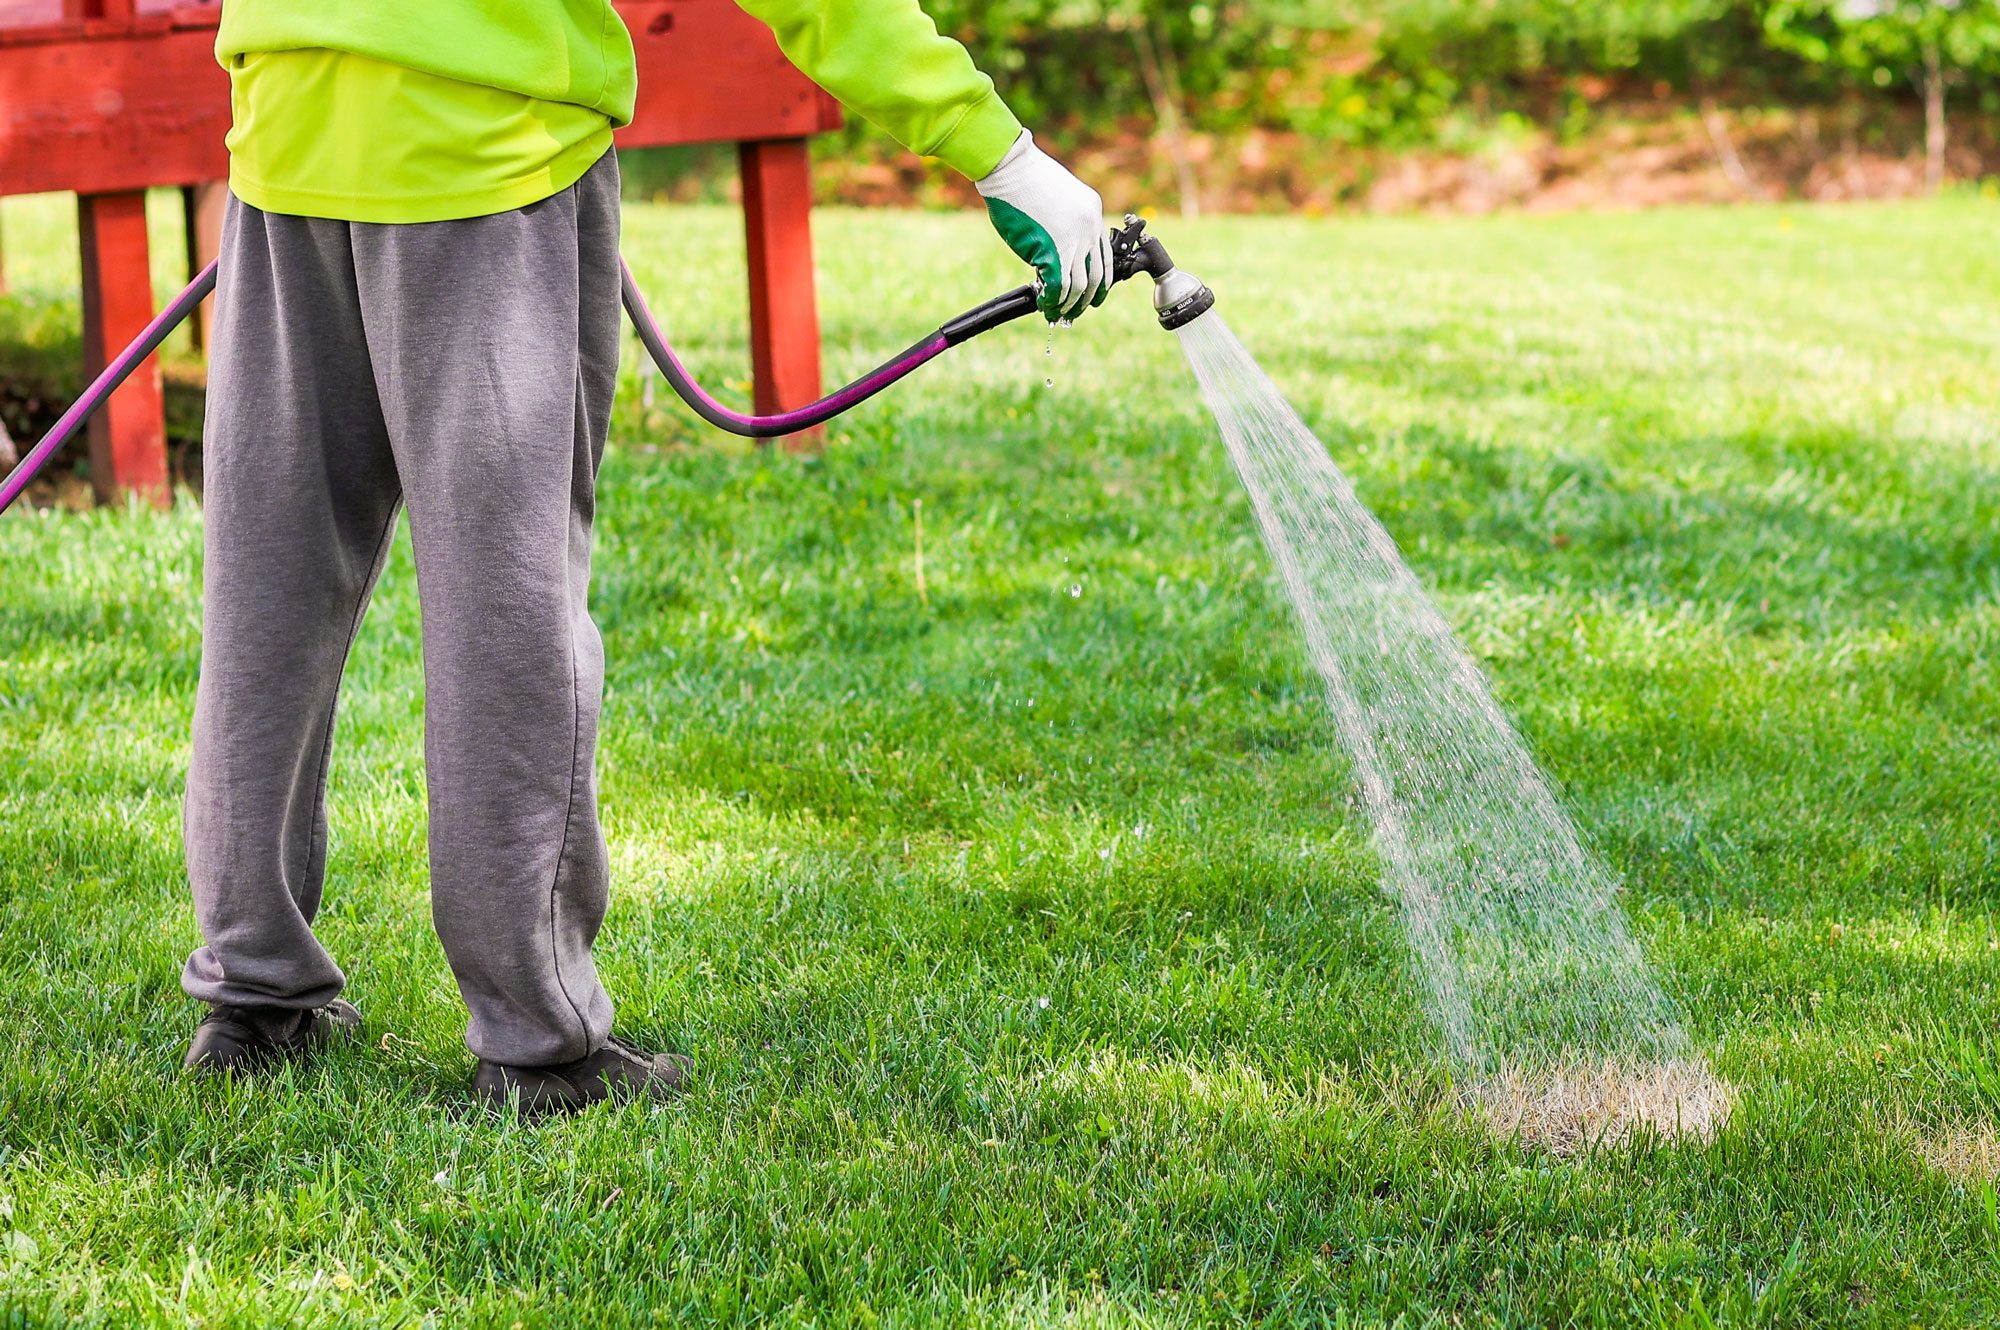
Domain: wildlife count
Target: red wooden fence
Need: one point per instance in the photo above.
(107, 98)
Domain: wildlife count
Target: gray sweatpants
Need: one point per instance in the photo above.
(465, 370)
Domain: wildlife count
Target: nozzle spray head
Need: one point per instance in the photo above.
(1179, 297)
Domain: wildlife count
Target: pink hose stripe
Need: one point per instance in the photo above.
(836, 402)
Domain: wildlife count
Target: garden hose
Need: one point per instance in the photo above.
(1178, 298)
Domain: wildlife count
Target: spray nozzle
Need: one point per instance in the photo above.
(1179, 297)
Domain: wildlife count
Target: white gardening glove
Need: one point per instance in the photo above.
(1055, 223)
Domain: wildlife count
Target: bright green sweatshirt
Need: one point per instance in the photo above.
(383, 111)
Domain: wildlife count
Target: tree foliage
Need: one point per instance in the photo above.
(1931, 43)
(1402, 72)
(1886, 40)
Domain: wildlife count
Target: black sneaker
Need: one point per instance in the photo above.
(244, 1039)
(617, 1072)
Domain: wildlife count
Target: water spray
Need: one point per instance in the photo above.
(1178, 297)
(1546, 1009)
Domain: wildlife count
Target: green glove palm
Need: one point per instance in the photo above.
(1054, 223)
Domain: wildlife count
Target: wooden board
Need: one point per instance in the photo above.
(710, 73)
(100, 106)
(97, 107)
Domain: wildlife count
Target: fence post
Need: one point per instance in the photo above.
(128, 436)
(784, 314)
(203, 204)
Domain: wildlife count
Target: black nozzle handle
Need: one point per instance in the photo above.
(1015, 304)
(1134, 252)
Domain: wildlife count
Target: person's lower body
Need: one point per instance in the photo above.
(464, 371)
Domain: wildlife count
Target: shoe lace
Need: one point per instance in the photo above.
(628, 1050)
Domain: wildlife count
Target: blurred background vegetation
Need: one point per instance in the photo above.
(1464, 105)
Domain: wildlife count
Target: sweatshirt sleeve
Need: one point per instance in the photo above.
(886, 61)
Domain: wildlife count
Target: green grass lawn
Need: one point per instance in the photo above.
(1027, 935)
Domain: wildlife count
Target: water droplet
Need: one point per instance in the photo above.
(1048, 383)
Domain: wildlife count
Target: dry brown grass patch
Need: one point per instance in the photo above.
(1963, 1151)
(1569, 1108)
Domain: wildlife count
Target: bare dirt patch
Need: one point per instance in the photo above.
(1637, 152)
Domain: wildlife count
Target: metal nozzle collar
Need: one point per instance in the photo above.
(1181, 298)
